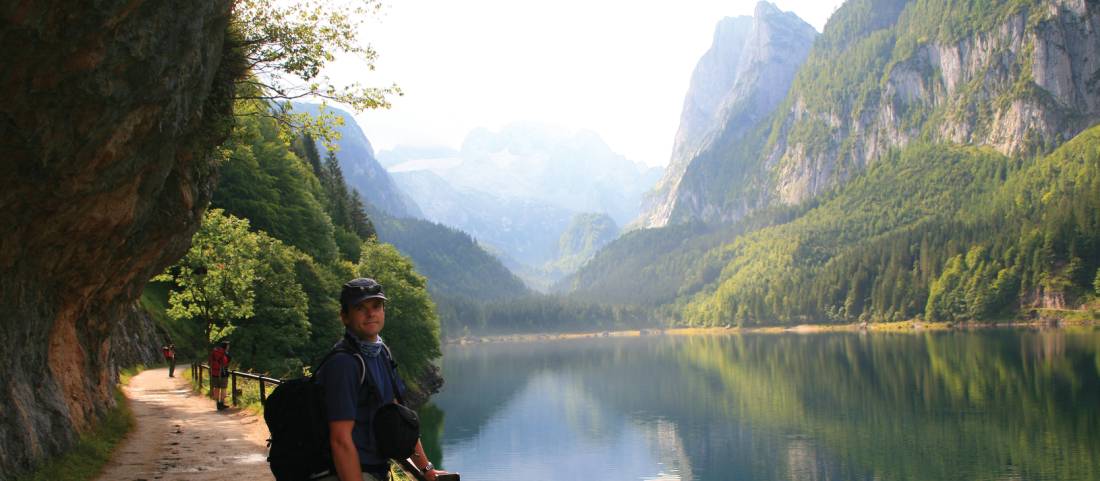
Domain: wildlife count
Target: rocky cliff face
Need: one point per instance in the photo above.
(1028, 83)
(711, 82)
(107, 127)
(736, 86)
(135, 339)
(1020, 77)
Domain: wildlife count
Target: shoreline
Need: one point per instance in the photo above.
(896, 327)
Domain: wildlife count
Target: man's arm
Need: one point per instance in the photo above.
(420, 460)
(344, 455)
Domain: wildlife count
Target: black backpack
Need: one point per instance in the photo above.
(295, 416)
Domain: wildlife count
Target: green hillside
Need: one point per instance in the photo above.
(455, 265)
(264, 271)
(891, 183)
(940, 232)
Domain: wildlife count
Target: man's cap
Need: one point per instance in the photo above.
(359, 290)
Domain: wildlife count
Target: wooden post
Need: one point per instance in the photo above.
(233, 377)
(263, 397)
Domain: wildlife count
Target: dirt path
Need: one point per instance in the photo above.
(180, 436)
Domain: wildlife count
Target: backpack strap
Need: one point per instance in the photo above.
(393, 374)
(344, 348)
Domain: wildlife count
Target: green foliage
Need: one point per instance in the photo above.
(265, 182)
(940, 232)
(189, 337)
(950, 234)
(271, 339)
(538, 313)
(287, 45)
(454, 263)
(412, 326)
(214, 279)
(1096, 282)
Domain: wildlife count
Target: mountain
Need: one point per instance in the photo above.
(522, 229)
(456, 267)
(541, 162)
(736, 86)
(920, 166)
(360, 167)
(517, 189)
(407, 153)
(586, 234)
(1016, 76)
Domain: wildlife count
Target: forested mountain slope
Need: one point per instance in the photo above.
(916, 150)
(285, 232)
(455, 265)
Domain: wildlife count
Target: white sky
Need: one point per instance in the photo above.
(617, 67)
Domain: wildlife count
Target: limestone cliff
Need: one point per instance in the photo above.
(110, 114)
(736, 86)
(1021, 79)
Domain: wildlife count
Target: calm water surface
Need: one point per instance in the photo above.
(988, 405)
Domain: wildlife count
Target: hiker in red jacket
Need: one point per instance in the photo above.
(219, 373)
(170, 356)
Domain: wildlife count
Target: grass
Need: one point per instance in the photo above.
(86, 459)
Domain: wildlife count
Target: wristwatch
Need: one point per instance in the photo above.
(427, 467)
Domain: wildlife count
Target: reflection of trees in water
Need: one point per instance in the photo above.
(934, 406)
(978, 405)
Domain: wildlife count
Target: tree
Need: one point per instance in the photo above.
(1096, 282)
(271, 340)
(214, 280)
(412, 326)
(286, 47)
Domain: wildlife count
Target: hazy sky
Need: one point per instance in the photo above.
(617, 67)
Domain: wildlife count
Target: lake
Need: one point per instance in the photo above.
(961, 405)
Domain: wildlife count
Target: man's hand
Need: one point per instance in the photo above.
(437, 475)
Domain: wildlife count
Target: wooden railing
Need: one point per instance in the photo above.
(198, 368)
(197, 373)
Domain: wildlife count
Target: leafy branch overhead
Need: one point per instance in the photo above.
(288, 45)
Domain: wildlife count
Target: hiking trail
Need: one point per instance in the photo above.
(179, 436)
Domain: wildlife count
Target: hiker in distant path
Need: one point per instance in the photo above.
(170, 356)
(219, 373)
(348, 404)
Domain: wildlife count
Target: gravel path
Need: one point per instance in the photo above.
(180, 436)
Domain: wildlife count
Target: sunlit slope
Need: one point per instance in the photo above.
(946, 233)
(979, 233)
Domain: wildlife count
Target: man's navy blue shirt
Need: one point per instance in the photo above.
(345, 400)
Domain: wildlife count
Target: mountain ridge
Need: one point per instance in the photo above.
(772, 47)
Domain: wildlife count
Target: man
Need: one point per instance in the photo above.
(350, 405)
(219, 373)
(170, 356)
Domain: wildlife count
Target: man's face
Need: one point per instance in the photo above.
(365, 319)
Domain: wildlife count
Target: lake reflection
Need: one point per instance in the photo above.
(989, 405)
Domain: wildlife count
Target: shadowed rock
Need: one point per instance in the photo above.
(108, 123)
